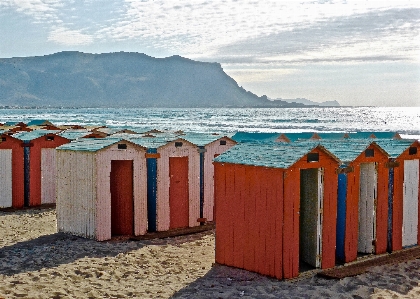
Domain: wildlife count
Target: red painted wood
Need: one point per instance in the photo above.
(249, 212)
(122, 201)
(35, 165)
(278, 185)
(260, 223)
(329, 216)
(352, 215)
(178, 192)
(220, 208)
(239, 233)
(229, 213)
(18, 176)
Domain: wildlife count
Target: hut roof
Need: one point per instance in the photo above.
(202, 139)
(254, 137)
(39, 122)
(275, 155)
(90, 144)
(74, 134)
(28, 136)
(395, 147)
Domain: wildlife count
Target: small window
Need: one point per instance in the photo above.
(412, 150)
(50, 138)
(313, 157)
(369, 152)
(3, 139)
(122, 146)
(222, 142)
(178, 144)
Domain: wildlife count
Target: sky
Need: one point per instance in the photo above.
(357, 52)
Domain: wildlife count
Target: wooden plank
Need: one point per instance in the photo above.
(278, 210)
(397, 208)
(48, 175)
(410, 203)
(382, 208)
(220, 209)
(6, 195)
(229, 214)
(352, 215)
(249, 213)
(238, 207)
(367, 201)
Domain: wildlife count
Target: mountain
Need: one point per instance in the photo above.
(309, 102)
(75, 79)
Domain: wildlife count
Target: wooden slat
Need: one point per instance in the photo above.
(410, 202)
(6, 197)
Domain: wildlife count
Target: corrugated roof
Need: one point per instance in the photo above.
(346, 150)
(28, 136)
(89, 144)
(395, 147)
(152, 142)
(39, 122)
(74, 134)
(202, 139)
(275, 155)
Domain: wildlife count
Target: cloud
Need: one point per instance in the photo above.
(66, 37)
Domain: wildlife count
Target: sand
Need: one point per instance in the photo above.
(37, 262)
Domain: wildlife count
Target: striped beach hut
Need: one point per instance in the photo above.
(101, 188)
(173, 173)
(404, 194)
(362, 202)
(39, 165)
(210, 146)
(11, 172)
(276, 205)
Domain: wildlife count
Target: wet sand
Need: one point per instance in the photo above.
(37, 262)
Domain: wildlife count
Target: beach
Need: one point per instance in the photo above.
(38, 262)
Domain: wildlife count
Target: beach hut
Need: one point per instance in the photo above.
(362, 217)
(39, 165)
(11, 172)
(173, 176)
(275, 206)
(210, 146)
(101, 188)
(404, 195)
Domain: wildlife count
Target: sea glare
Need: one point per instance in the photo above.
(404, 120)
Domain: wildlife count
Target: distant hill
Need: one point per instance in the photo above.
(75, 79)
(309, 102)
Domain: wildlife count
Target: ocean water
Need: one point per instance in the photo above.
(404, 120)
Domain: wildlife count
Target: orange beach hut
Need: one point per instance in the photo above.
(275, 206)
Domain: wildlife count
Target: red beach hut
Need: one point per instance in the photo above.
(275, 206)
(39, 165)
(11, 172)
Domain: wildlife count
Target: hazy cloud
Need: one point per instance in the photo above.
(68, 37)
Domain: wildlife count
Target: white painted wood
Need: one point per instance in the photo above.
(48, 175)
(76, 193)
(212, 149)
(162, 193)
(410, 202)
(5, 178)
(104, 158)
(367, 207)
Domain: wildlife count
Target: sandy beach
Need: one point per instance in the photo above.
(37, 262)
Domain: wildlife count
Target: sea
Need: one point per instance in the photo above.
(403, 120)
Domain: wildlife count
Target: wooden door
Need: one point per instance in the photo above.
(410, 202)
(5, 178)
(122, 202)
(310, 220)
(178, 192)
(367, 207)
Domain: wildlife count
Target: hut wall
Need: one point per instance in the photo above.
(249, 209)
(398, 195)
(48, 175)
(213, 149)
(17, 169)
(76, 193)
(163, 183)
(351, 238)
(35, 180)
(103, 201)
(6, 178)
(291, 210)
